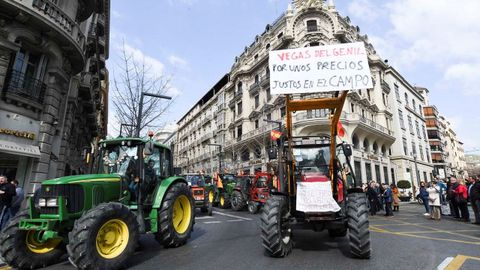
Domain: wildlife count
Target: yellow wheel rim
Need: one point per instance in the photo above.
(222, 200)
(181, 214)
(210, 196)
(112, 238)
(39, 247)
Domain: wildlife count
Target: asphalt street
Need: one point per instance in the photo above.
(231, 240)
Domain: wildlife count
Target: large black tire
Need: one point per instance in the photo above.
(252, 207)
(237, 201)
(17, 251)
(89, 234)
(207, 205)
(358, 226)
(178, 198)
(275, 227)
(225, 202)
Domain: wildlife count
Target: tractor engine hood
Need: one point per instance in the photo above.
(314, 177)
(85, 178)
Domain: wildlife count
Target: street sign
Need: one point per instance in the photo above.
(319, 69)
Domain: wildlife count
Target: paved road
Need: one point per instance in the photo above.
(230, 240)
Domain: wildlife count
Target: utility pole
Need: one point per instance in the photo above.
(140, 108)
(280, 161)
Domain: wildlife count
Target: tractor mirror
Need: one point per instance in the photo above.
(177, 170)
(347, 150)
(148, 150)
(272, 153)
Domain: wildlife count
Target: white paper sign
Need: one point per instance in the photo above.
(319, 69)
(316, 197)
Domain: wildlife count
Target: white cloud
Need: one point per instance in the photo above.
(116, 15)
(364, 10)
(464, 75)
(178, 62)
(155, 65)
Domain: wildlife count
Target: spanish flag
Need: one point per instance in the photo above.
(275, 134)
(340, 129)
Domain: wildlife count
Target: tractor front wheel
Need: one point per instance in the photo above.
(104, 237)
(176, 216)
(26, 249)
(238, 203)
(358, 226)
(275, 226)
(224, 201)
(252, 207)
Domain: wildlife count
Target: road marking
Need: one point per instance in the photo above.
(425, 237)
(204, 217)
(228, 215)
(458, 261)
(212, 222)
(414, 232)
(444, 263)
(235, 220)
(437, 230)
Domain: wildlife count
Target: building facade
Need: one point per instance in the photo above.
(411, 151)
(54, 86)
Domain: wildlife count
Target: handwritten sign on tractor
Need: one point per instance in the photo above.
(319, 69)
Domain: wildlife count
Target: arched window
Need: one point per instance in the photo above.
(355, 142)
(366, 145)
(375, 147)
(239, 87)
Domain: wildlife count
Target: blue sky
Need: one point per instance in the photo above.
(433, 43)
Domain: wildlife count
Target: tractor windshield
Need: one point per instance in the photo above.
(312, 160)
(120, 159)
(195, 180)
(262, 182)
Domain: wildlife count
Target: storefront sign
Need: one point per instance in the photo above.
(18, 133)
(320, 69)
(19, 149)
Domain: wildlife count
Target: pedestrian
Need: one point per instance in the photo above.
(424, 195)
(372, 196)
(379, 190)
(387, 197)
(434, 200)
(17, 199)
(451, 197)
(474, 193)
(7, 191)
(461, 195)
(396, 198)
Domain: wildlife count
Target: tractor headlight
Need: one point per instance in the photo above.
(42, 202)
(53, 202)
(261, 196)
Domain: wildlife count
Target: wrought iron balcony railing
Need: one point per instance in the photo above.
(19, 84)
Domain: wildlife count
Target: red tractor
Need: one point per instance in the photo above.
(259, 191)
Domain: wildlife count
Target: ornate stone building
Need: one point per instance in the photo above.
(54, 86)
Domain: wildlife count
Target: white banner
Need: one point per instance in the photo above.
(316, 197)
(319, 69)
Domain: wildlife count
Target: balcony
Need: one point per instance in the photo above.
(206, 136)
(236, 97)
(254, 88)
(24, 90)
(207, 119)
(385, 87)
(436, 148)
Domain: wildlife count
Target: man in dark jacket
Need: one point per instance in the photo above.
(387, 197)
(474, 194)
(451, 198)
(7, 192)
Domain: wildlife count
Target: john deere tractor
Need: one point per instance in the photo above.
(311, 192)
(222, 192)
(97, 218)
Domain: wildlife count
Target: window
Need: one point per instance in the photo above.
(269, 96)
(421, 152)
(414, 148)
(239, 87)
(283, 112)
(352, 106)
(410, 124)
(384, 99)
(405, 147)
(256, 124)
(313, 44)
(358, 170)
(257, 79)
(417, 128)
(377, 173)
(239, 132)
(414, 107)
(400, 118)
(269, 116)
(393, 175)
(368, 94)
(428, 154)
(257, 101)
(397, 91)
(385, 175)
(239, 108)
(420, 109)
(368, 169)
(280, 35)
(424, 133)
(312, 26)
(406, 99)
(28, 66)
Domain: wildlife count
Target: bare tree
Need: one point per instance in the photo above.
(136, 77)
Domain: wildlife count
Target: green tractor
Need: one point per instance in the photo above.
(97, 218)
(224, 185)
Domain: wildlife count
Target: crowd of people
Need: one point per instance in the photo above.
(11, 198)
(439, 198)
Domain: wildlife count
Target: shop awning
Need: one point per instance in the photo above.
(19, 149)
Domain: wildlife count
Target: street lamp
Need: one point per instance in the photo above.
(139, 116)
(219, 156)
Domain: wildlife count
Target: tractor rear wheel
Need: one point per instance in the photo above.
(275, 226)
(238, 203)
(25, 249)
(358, 226)
(224, 201)
(176, 216)
(252, 207)
(104, 237)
